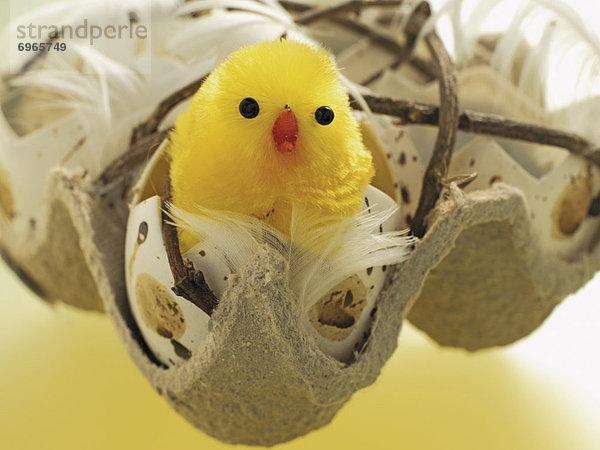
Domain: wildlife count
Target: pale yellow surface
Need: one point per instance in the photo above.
(67, 383)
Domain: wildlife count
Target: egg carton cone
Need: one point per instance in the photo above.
(251, 373)
(258, 376)
(495, 282)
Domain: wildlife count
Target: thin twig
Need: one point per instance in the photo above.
(437, 168)
(479, 123)
(386, 40)
(382, 38)
(141, 151)
(153, 122)
(413, 28)
(325, 12)
(410, 112)
(462, 181)
(189, 283)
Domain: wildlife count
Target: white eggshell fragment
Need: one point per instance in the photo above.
(401, 159)
(28, 158)
(172, 326)
(558, 202)
(341, 320)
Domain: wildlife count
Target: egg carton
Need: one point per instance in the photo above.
(498, 255)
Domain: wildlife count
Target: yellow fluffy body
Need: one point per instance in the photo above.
(223, 161)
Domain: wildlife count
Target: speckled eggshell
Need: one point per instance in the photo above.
(172, 326)
(403, 161)
(340, 321)
(558, 200)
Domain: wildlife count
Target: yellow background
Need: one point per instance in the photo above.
(67, 383)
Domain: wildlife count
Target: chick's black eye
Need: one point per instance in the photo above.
(249, 108)
(324, 115)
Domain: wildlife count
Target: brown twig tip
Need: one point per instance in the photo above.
(189, 283)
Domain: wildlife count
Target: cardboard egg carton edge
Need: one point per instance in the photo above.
(260, 378)
(477, 296)
(59, 262)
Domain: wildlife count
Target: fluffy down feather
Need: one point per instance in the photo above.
(346, 246)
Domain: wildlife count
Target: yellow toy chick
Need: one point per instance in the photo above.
(270, 128)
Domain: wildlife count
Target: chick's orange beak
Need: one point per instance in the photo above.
(285, 131)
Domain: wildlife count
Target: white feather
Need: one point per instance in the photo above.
(529, 19)
(321, 251)
(559, 68)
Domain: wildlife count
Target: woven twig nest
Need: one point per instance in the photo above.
(492, 261)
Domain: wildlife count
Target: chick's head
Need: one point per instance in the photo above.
(271, 125)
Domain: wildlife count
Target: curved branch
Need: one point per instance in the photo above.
(153, 122)
(189, 283)
(448, 125)
(410, 112)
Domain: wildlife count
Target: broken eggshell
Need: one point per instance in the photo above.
(558, 201)
(174, 328)
(340, 321)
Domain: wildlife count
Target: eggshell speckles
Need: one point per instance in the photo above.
(172, 326)
(573, 204)
(400, 159)
(341, 320)
(336, 313)
(142, 233)
(158, 309)
(7, 202)
(209, 259)
(558, 201)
